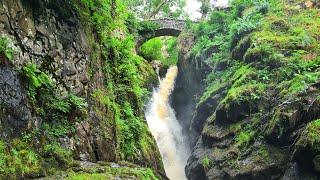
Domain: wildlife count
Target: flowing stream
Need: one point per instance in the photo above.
(166, 129)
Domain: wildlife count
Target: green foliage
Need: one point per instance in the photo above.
(56, 129)
(310, 137)
(147, 27)
(238, 6)
(262, 153)
(244, 26)
(300, 82)
(60, 113)
(61, 155)
(132, 132)
(54, 108)
(245, 138)
(61, 105)
(171, 47)
(271, 74)
(113, 173)
(123, 92)
(86, 176)
(245, 87)
(18, 159)
(37, 79)
(77, 102)
(206, 163)
(219, 79)
(131, 23)
(28, 137)
(6, 48)
(101, 17)
(152, 49)
(146, 9)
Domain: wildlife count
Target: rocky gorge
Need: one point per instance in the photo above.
(73, 90)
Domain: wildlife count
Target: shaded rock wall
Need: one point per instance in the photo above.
(53, 38)
(189, 84)
(249, 127)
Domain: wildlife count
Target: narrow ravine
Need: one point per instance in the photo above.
(166, 129)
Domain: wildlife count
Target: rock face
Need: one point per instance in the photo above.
(54, 39)
(59, 47)
(15, 114)
(246, 126)
(189, 84)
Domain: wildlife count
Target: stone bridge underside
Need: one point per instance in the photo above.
(168, 27)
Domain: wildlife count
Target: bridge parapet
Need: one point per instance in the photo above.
(170, 24)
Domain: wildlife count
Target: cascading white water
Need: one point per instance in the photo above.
(166, 129)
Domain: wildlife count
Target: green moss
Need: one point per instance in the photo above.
(206, 163)
(258, 53)
(19, 160)
(85, 176)
(114, 173)
(61, 155)
(218, 81)
(245, 138)
(299, 84)
(244, 88)
(262, 153)
(310, 137)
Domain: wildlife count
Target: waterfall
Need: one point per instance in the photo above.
(166, 129)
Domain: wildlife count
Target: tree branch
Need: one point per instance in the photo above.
(157, 8)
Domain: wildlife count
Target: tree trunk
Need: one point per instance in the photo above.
(205, 4)
(113, 8)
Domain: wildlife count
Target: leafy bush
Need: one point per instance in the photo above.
(132, 129)
(243, 27)
(171, 46)
(147, 27)
(152, 49)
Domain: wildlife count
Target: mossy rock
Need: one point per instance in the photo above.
(264, 161)
(277, 24)
(239, 51)
(307, 148)
(283, 122)
(217, 136)
(231, 112)
(222, 65)
(239, 103)
(148, 74)
(256, 53)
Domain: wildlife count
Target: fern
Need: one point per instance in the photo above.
(61, 105)
(6, 49)
(77, 102)
(37, 79)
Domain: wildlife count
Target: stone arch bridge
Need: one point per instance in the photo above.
(167, 27)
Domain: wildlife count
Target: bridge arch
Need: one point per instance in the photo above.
(167, 27)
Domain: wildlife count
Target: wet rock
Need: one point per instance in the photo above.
(69, 69)
(15, 115)
(218, 136)
(316, 163)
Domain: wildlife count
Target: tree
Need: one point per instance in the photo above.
(205, 8)
(148, 9)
